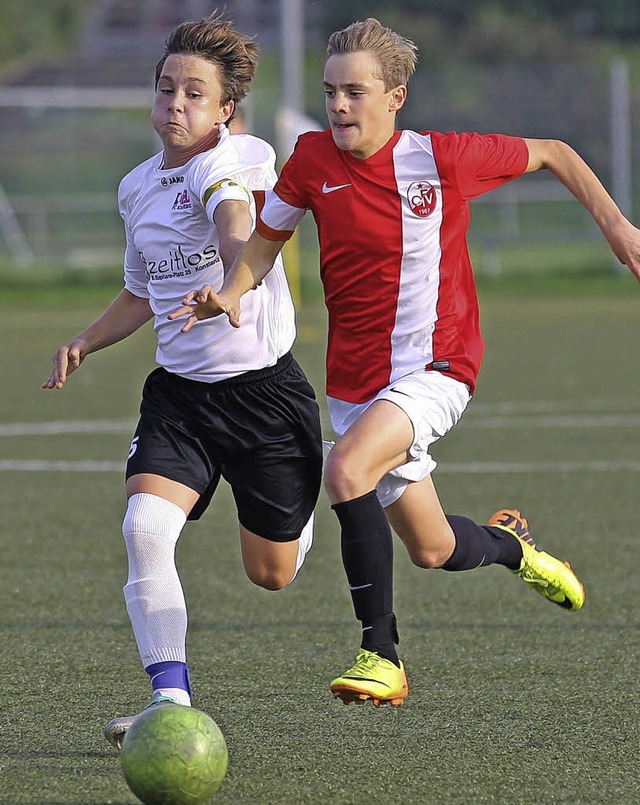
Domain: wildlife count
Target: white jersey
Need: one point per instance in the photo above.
(173, 247)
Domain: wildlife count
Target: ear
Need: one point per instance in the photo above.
(397, 97)
(226, 110)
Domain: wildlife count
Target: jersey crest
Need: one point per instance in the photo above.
(422, 198)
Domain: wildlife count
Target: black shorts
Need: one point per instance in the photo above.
(259, 430)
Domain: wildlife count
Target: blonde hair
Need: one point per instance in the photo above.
(397, 56)
(215, 39)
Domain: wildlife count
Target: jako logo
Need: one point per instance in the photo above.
(171, 180)
(422, 198)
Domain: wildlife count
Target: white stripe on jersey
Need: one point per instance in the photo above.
(279, 215)
(418, 291)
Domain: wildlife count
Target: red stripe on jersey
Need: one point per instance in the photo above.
(358, 213)
(361, 251)
(273, 234)
(468, 165)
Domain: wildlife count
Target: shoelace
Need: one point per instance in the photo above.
(534, 579)
(540, 582)
(366, 662)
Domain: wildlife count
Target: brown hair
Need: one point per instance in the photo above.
(214, 39)
(396, 55)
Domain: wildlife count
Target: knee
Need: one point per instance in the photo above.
(427, 558)
(430, 555)
(149, 517)
(343, 478)
(269, 579)
(151, 528)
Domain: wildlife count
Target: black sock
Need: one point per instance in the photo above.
(481, 545)
(381, 636)
(367, 555)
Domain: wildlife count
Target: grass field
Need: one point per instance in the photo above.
(513, 701)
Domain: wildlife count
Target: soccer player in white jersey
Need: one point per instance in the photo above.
(223, 402)
(404, 346)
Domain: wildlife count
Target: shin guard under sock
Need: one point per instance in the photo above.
(481, 545)
(367, 555)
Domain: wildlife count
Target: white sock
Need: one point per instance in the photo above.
(153, 592)
(177, 694)
(326, 447)
(305, 541)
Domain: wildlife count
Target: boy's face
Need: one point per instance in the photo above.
(361, 113)
(188, 110)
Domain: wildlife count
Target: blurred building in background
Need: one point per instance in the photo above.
(121, 40)
(72, 126)
(122, 26)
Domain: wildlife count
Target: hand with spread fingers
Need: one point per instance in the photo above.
(206, 304)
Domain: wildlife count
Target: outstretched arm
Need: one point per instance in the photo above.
(124, 316)
(577, 176)
(251, 266)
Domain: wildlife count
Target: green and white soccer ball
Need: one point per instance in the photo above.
(174, 755)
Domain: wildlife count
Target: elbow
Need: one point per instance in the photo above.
(546, 154)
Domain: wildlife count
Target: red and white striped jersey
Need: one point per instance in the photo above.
(394, 261)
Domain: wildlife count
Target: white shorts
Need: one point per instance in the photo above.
(433, 402)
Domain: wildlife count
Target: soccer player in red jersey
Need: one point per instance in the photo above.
(404, 346)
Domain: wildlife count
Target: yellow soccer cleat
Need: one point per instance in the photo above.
(553, 579)
(372, 678)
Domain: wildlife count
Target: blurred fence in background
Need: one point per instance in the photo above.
(64, 151)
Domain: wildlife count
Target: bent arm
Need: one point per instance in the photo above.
(233, 220)
(574, 173)
(126, 314)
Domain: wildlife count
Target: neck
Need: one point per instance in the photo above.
(177, 157)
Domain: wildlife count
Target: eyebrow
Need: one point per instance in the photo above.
(355, 85)
(191, 79)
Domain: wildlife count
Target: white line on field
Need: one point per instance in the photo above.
(69, 426)
(509, 419)
(555, 421)
(514, 467)
(35, 465)
(585, 404)
(453, 468)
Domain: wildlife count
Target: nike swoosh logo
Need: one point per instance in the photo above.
(155, 676)
(367, 679)
(327, 189)
(360, 586)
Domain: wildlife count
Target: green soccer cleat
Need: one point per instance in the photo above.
(117, 728)
(372, 678)
(553, 579)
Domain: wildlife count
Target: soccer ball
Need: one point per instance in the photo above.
(174, 755)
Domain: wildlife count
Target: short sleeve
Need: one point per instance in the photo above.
(281, 209)
(482, 162)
